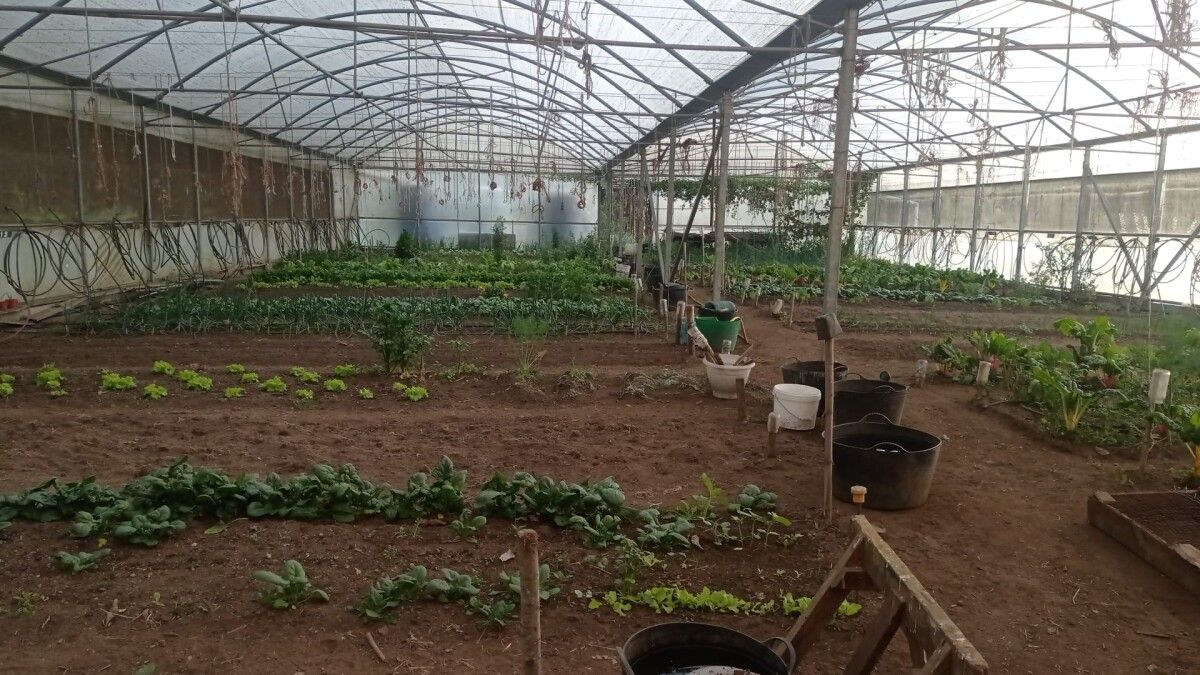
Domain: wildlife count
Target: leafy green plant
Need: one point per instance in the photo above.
(149, 528)
(511, 583)
(452, 587)
(6, 389)
(527, 329)
(459, 370)
(26, 602)
(78, 562)
(366, 394)
(389, 593)
(164, 368)
(305, 395)
(50, 378)
(273, 385)
(194, 380)
(600, 531)
(110, 381)
(305, 375)
(495, 613)
(249, 378)
(335, 384)
(406, 246)
(395, 338)
(288, 589)
(345, 370)
(466, 525)
(154, 392)
(235, 369)
(234, 392)
(415, 393)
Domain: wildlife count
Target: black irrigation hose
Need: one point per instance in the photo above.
(35, 263)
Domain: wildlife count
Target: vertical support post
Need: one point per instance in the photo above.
(841, 156)
(669, 229)
(976, 214)
(145, 169)
(531, 587)
(196, 179)
(936, 216)
(875, 219)
(779, 191)
(718, 276)
(1023, 223)
(900, 252)
(77, 151)
(1082, 217)
(1156, 217)
(639, 228)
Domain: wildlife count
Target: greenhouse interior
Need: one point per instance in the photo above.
(422, 337)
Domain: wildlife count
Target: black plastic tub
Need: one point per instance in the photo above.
(670, 648)
(855, 399)
(895, 463)
(674, 294)
(812, 374)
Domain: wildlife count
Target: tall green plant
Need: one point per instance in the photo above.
(397, 341)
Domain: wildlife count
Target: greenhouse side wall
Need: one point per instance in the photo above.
(104, 196)
(1112, 252)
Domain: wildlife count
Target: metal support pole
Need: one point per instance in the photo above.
(718, 276)
(903, 220)
(145, 168)
(1083, 216)
(196, 179)
(639, 227)
(841, 156)
(669, 230)
(936, 216)
(1023, 222)
(875, 218)
(76, 150)
(1156, 218)
(976, 214)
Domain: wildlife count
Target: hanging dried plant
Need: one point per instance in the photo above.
(1179, 24)
(1114, 48)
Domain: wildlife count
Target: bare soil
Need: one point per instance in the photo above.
(1003, 543)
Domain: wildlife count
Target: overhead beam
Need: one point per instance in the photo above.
(789, 42)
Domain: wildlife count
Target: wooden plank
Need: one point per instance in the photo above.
(940, 661)
(925, 621)
(1181, 563)
(875, 640)
(829, 597)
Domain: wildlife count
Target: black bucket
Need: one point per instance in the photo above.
(895, 463)
(855, 399)
(812, 374)
(698, 648)
(675, 294)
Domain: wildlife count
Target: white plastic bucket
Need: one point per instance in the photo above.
(796, 405)
(723, 379)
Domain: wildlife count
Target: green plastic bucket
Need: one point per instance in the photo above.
(717, 331)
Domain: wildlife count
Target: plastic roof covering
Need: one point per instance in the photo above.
(945, 79)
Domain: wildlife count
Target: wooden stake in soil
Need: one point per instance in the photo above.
(681, 323)
(741, 399)
(531, 620)
(828, 329)
(772, 433)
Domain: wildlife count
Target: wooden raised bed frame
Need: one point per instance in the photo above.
(1178, 560)
(935, 644)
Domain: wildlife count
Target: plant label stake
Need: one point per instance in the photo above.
(772, 433)
(531, 620)
(828, 329)
(858, 494)
(1156, 394)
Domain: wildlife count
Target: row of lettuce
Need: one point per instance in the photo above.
(1094, 389)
